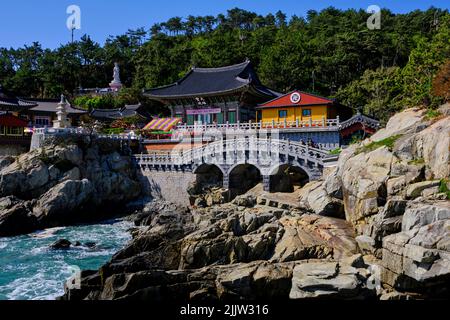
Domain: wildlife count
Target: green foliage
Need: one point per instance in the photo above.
(432, 114)
(113, 130)
(419, 161)
(336, 151)
(330, 52)
(377, 92)
(107, 101)
(443, 188)
(388, 142)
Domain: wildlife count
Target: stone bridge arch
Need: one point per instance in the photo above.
(223, 157)
(244, 176)
(286, 177)
(208, 175)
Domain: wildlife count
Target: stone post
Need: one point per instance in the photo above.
(266, 183)
(226, 182)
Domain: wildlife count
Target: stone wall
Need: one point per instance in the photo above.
(168, 185)
(325, 139)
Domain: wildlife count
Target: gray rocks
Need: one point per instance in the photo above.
(314, 197)
(329, 280)
(415, 190)
(62, 244)
(418, 259)
(366, 244)
(16, 217)
(64, 180)
(364, 184)
(422, 214)
(432, 145)
(261, 247)
(64, 199)
(247, 201)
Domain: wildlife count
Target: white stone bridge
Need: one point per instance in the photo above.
(234, 159)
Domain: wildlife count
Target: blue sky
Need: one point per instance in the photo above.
(25, 21)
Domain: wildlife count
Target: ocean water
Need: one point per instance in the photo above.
(29, 270)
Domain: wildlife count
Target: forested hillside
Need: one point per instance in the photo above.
(331, 52)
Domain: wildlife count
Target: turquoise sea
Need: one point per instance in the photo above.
(29, 270)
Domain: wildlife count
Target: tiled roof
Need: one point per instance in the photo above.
(51, 105)
(212, 81)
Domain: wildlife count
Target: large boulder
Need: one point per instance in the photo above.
(418, 259)
(328, 280)
(314, 197)
(421, 214)
(16, 217)
(403, 122)
(314, 237)
(364, 184)
(431, 145)
(63, 200)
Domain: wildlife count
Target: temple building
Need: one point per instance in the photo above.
(214, 95)
(303, 107)
(13, 105)
(13, 137)
(44, 113)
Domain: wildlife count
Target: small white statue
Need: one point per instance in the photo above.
(116, 84)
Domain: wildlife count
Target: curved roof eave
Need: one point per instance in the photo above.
(196, 95)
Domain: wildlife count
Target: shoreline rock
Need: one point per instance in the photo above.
(65, 183)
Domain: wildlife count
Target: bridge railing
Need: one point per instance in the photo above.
(83, 131)
(248, 126)
(259, 146)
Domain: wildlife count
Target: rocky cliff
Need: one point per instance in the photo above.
(377, 227)
(68, 180)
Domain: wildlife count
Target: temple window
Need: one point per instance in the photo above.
(282, 114)
(42, 121)
(14, 131)
(306, 112)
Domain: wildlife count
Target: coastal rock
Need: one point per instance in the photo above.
(327, 280)
(6, 161)
(364, 184)
(419, 259)
(415, 190)
(15, 217)
(401, 123)
(431, 145)
(64, 178)
(421, 214)
(62, 200)
(62, 244)
(314, 197)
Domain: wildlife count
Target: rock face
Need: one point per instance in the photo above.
(64, 183)
(418, 260)
(225, 252)
(391, 191)
(329, 280)
(378, 226)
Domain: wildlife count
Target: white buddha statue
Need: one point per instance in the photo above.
(116, 84)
